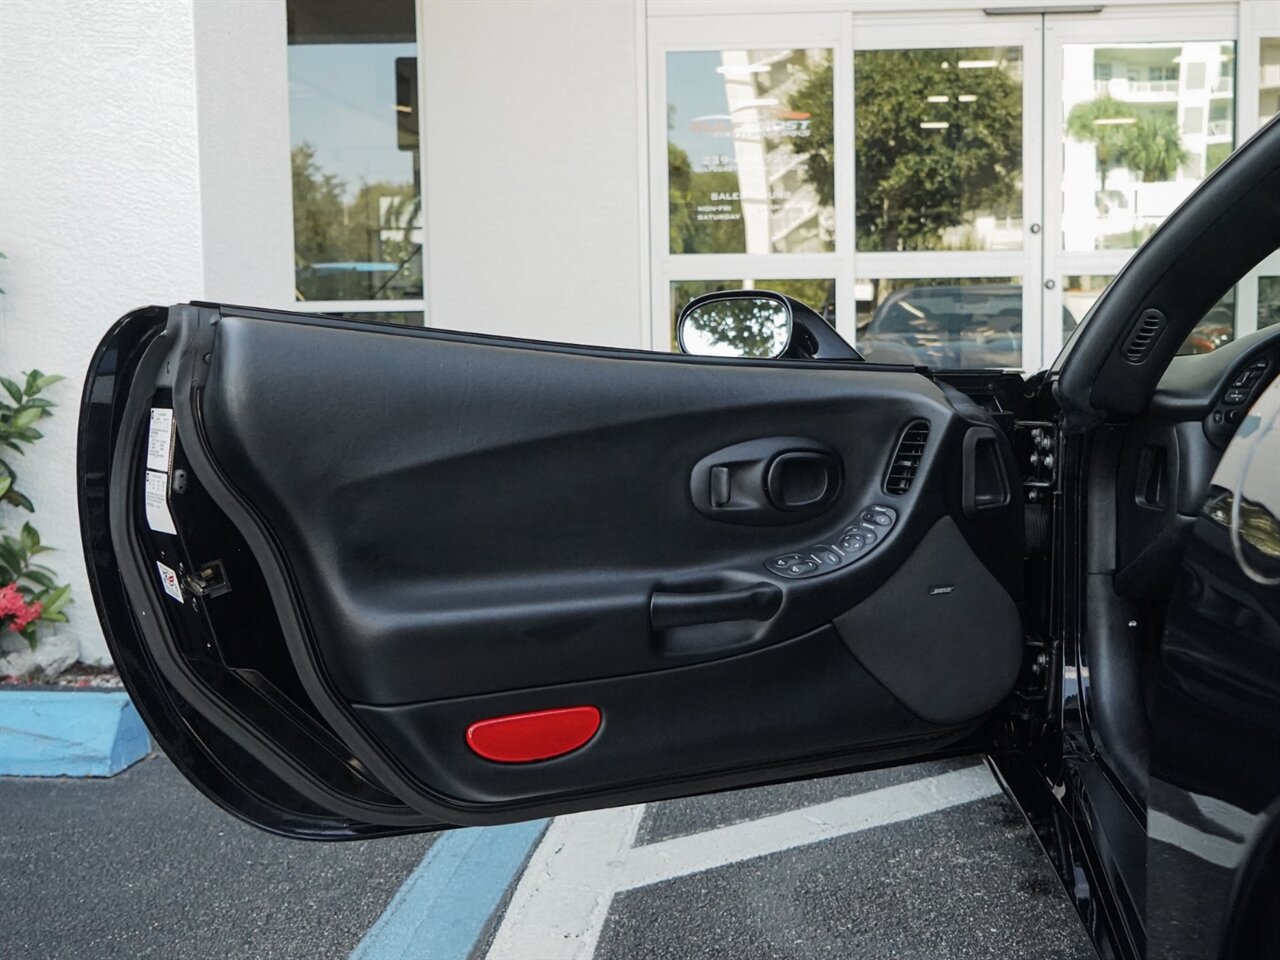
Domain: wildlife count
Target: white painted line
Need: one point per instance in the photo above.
(679, 857)
(1228, 816)
(1219, 851)
(559, 907)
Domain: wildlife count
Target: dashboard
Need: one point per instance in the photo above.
(1167, 457)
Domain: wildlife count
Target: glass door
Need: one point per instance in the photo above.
(747, 120)
(947, 193)
(952, 188)
(1139, 109)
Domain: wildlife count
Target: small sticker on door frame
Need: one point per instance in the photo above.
(160, 439)
(169, 580)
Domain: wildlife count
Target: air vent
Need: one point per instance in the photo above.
(1144, 336)
(906, 459)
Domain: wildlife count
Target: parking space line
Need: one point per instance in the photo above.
(559, 907)
(441, 910)
(680, 856)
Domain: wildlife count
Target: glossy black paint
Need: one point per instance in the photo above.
(1215, 760)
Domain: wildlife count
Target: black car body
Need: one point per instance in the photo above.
(328, 555)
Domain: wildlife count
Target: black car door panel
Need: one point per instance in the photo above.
(392, 534)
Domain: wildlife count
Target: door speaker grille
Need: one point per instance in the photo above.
(907, 457)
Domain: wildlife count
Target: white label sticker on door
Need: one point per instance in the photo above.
(160, 439)
(158, 516)
(170, 581)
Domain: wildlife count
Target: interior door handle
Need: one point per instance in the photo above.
(670, 610)
(769, 481)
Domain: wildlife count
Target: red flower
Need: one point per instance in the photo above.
(13, 605)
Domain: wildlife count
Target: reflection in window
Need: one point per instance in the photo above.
(1145, 123)
(749, 151)
(1215, 329)
(1268, 78)
(357, 213)
(1268, 301)
(938, 149)
(405, 318)
(945, 324)
(820, 295)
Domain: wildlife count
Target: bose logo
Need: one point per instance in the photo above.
(939, 590)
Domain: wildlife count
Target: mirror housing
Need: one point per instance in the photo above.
(736, 323)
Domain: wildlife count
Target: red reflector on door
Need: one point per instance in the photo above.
(524, 737)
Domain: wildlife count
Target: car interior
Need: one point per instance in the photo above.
(1149, 428)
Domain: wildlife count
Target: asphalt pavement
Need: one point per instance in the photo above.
(143, 866)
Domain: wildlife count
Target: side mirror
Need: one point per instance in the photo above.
(735, 323)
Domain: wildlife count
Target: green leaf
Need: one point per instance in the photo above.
(42, 580)
(55, 601)
(6, 481)
(30, 537)
(45, 381)
(12, 389)
(25, 417)
(32, 377)
(20, 500)
(12, 557)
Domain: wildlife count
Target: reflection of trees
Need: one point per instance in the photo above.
(914, 183)
(1150, 145)
(816, 98)
(748, 328)
(685, 187)
(326, 229)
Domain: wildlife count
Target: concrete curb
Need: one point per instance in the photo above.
(69, 733)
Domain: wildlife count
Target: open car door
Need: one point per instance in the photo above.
(363, 579)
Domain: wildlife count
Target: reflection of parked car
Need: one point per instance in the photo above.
(1215, 330)
(951, 328)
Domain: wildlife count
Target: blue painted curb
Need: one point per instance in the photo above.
(69, 733)
(441, 910)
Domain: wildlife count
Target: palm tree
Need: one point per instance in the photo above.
(1153, 147)
(1104, 122)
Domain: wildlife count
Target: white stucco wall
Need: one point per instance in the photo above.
(532, 166)
(99, 213)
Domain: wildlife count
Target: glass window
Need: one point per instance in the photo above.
(818, 294)
(1134, 148)
(409, 318)
(1268, 78)
(946, 324)
(750, 151)
(938, 149)
(357, 212)
(1220, 323)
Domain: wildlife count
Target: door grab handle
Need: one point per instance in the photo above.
(670, 610)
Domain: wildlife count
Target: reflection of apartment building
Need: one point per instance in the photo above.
(1269, 77)
(1191, 83)
(780, 206)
